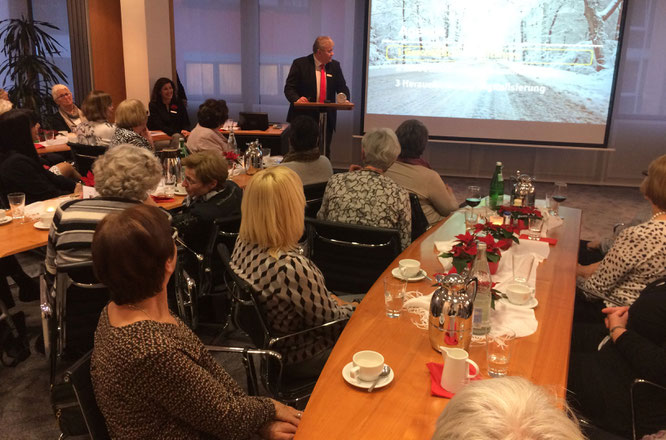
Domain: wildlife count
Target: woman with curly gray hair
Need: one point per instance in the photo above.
(124, 177)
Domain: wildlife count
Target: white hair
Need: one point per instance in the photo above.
(508, 408)
(55, 89)
(381, 148)
(127, 171)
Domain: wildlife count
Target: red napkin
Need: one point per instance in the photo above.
(436, 377)
(550, 241)
(158, 199)
(38, 146)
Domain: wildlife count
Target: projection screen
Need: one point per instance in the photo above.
(524, 71)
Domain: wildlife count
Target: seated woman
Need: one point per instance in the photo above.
(415, 175)
(167, 112)
(505, 408)
(600, 380)
(131, 125)
(365, 196)
(98, 109)
(152, 376)
(291, 288)
(303, 156)
(124, 177)
(209, 196)
(638, 255)
(206, 135)
(20, 167)
(68, 115)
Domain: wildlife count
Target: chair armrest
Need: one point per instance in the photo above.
(247, 354)
(306, 331)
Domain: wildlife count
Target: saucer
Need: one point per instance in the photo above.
(180, 192)
(532, 303)
(383, 381)
(6, 219)
(396, 273)
(42, 226)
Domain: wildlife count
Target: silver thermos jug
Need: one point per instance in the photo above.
(451, 311)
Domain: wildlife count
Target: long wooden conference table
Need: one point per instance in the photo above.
(405, 409)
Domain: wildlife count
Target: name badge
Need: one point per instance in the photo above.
(174, 112)
(329, 75)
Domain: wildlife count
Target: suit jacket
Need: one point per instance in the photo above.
(302, 81)
(162, 119)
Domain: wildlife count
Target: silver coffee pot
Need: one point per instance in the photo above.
(253, 158)
(523, 192)
(171, 168)
(451, 311)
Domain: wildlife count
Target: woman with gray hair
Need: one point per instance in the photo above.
(364, 196)
(505, 408)
(124, 177)
(414, 174)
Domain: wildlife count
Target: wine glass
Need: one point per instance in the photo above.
(559, 195)
(473, 197)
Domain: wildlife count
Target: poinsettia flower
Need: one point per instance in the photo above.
(88, 179)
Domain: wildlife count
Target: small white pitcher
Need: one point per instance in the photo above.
(456, 371)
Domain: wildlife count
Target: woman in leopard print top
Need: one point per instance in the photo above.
(152, 377)
(638, 255)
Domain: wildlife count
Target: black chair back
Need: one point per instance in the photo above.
(227, 231)
(85, 156)
(78, 376)
(419, 221)
(351, 257)
(314, 194)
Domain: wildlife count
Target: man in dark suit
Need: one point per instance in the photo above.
(304, 83)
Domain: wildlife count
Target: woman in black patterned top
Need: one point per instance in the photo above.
(152, 377)
(131, 128)
(292, 289)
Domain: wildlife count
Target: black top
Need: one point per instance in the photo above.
(56, 122)
(19, 173)
(302, 81)
(169, 121)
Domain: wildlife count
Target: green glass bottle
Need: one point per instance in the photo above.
(496, 194)
(183, 149)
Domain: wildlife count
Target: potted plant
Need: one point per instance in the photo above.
(29, 65)
(464, 251)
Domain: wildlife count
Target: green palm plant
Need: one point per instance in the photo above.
(29, 65)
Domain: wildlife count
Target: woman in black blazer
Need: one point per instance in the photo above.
(167, 112)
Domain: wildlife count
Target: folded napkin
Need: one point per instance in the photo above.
(520, 319)
(549, 240)
(445, 246)
(436, 369)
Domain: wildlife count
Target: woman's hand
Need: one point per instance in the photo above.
(286, 413)
(586, 271)
(278, 431)
(185, 133)
(616, 317)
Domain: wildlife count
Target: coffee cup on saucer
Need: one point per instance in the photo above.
(3, 213)
(519, 293)
(367, 365)
(409, 268)
(47, 217)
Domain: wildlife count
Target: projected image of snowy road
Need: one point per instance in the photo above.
(497, 90)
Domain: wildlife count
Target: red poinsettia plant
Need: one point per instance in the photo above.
(520, 211)
(502, 233)
(232, 157)
(465, 250)
(88, 179)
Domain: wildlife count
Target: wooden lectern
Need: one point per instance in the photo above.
(322, 107)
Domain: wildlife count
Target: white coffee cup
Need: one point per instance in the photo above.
(409, 268)
(3, 213)
(455, 374)
(47, 217)
(367, 365)
(518, 293)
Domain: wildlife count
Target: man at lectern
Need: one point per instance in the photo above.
(316, 78)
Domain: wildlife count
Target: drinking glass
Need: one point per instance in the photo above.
(535, 225)
(559, 196)
(499, 344)
(471, 219)
(394, 295)
(473, 197)
(17, 205)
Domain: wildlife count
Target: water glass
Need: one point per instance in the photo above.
(17, 205)
(394, 295)
(535, 225)
(499, 344)
(471, 219)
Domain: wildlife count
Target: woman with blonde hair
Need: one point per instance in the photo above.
(97, 130)
(131, 119)
(290, 288)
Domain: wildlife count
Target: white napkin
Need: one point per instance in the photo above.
(445, 246)
(520, 319)
(549, 221)
(526, 249)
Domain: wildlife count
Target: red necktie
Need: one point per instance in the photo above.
(322, 85)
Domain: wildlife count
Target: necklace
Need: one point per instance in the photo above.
(139, 309)
(657, 215)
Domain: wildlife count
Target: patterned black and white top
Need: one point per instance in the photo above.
(125, 136)
(637, 258)
(293, 295)
(367, 198)
(157, 380)
(95, 133)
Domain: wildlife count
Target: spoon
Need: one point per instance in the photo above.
(385, 372)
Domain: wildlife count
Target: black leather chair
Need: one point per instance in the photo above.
(351, 257)
(314, 194)
(85, 156)
(419, 221)
(250, 317)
